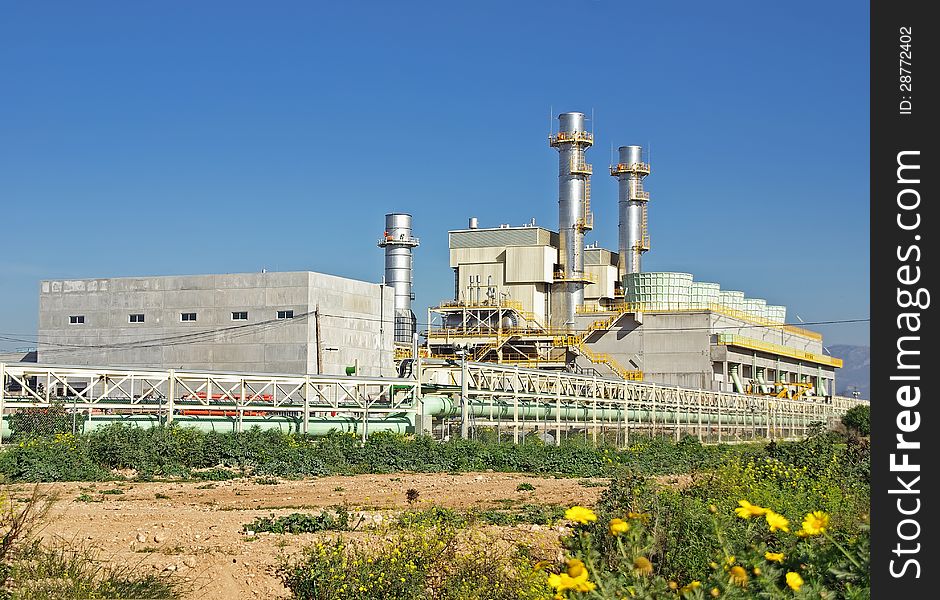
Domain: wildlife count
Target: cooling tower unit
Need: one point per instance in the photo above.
(399, 243)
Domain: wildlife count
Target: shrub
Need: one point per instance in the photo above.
(33, 422)
(820, 473)
(183, 452)
(859, 419)
(416, 563)
(301, 522)
(616, 558)
(66, 572)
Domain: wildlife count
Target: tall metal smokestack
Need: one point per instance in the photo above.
(574, 215)
(398, 243)
(634, 234)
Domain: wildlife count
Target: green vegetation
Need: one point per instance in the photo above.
(525, 487)
(179, 452)
(439, 516)
(32, 422)
(301, 523)
(826, 475)
(417, 562)
(858, 418)
(784, 519)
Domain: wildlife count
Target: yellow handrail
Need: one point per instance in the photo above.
(729, 339)
(678, 307)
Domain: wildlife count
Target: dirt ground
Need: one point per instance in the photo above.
(196, 529)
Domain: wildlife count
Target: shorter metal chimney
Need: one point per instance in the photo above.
(399, 262)
(634, 234)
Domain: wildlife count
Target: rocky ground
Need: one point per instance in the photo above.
(196, 529)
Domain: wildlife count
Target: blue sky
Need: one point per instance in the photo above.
(203, 137)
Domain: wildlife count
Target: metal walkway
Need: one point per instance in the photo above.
(511, 399)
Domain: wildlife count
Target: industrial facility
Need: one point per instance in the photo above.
(544, 333)
(533, 297)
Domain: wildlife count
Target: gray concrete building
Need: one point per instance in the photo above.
(292, 322)
(708, 349)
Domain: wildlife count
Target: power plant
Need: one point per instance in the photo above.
(531, 297)
(544, 333)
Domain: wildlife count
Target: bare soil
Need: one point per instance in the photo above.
(196, 529)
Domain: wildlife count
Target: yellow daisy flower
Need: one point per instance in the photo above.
(580, 514)
(794, 581)
(618, 526)
(746, 510)
(815, 522)
(777, 521)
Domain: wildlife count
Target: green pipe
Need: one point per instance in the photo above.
(317, 426)
(442, 406)
(432, 406)
(736, 379)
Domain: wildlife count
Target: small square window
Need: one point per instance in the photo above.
(77, 319)
(135, 318)
(285, 314)
(240, 316)
(187, 316)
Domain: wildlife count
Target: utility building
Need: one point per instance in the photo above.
(292, 322)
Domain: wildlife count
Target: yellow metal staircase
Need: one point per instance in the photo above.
(576, 342)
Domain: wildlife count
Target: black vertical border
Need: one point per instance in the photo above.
(891, 133)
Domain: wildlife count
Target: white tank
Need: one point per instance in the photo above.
(731, 299)
(703, 293)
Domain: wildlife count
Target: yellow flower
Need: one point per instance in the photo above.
(774, 556)
(746, 510)
(618, 526)
(715, 592)
(575, 578)
(815, 523)
(692, 586)
(580, 514)
(642, 565)
(777, 521)
(730, 560)
(794, 581)
(757, 571)
(575, 568)
(738, 576)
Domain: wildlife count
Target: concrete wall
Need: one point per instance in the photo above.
(350, 322)
(773, 335)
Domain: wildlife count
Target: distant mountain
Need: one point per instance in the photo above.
(856, 372)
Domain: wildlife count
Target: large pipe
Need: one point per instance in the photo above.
(433, 406)
(399, 262)
(632, 200)
(574, 216)
(442, 406)
(316, 426)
